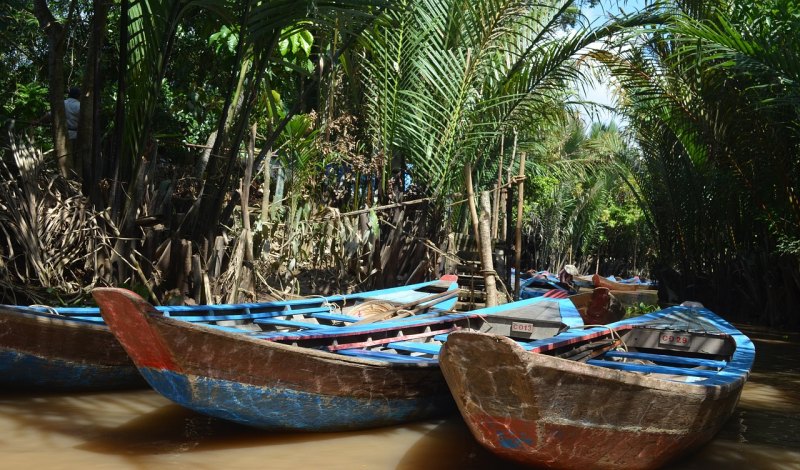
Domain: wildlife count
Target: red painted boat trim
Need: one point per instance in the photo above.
(393, 339)
(134, 332)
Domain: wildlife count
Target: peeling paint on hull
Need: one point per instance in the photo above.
(279, 408)
(27, 371)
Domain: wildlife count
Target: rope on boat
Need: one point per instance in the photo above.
(50, 309)
(334, 308)
(613, 334)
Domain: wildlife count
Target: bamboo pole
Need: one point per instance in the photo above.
(264, 216)
(487, 264)
(496, 195)
(518, 245)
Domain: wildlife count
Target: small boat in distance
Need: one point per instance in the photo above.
(328, 379)
(600, 281)
(633, 395)
(71, 348)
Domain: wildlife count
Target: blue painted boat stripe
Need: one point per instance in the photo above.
(653, 369)
(665, 358)
(294, 323)
(412, 346)
(385, 356)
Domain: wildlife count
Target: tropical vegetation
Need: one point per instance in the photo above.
(234, 150)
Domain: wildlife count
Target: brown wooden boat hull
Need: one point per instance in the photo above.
(554, 413)
(50, 353)
(267, 384)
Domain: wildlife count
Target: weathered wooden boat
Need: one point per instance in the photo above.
(62, 349)
(600, 281)
(633, 395)
(635, 298)
(50, 352)
(347, 378)
(598, 307)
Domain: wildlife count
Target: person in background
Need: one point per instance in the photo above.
(72, 110)
(566, 275)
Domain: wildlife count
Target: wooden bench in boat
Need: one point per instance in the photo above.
(91, 319)
(523, 343)
(243, 331)
(333, 317)
(292, 323)
(412, 346)
(240, 316)
(306, 311)
(380, 355)
(653, 369)
(667, 359)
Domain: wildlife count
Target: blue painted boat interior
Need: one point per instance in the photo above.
(678, 319)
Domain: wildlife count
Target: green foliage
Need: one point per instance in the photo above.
(713, 100)
(640, 309)
(226, 38)
(28, 101)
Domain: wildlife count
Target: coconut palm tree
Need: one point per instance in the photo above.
(713, 100)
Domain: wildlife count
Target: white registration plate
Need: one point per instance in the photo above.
(671, 338)
(518, 327)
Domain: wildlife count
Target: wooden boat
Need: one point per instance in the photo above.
(50, 352)
(66, 349)
(346, 378)
(635, 394)
(598, 307)
(600, 281)
(634, 298)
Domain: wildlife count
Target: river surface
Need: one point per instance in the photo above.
(142, 430)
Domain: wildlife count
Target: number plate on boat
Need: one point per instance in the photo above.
(672, 338)
(518, 327)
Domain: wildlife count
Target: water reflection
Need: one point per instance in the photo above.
(141, 429)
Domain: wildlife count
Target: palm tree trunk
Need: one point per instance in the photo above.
(56, 34)
(518, 245)
(87, 155)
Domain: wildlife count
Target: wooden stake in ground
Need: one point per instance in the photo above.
(487, 263)
(518, 245)
(244, 280)
(473, 211)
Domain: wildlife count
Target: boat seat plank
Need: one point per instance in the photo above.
(242, 316)
(306, 311)
(92, 319)
(678, 360)
(413, 346)
(334, 317)
(442, 338)
(242, 331)
(292, 323)
(653, 369)
(367, 354)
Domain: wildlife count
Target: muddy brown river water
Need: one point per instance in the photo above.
(142, 430)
